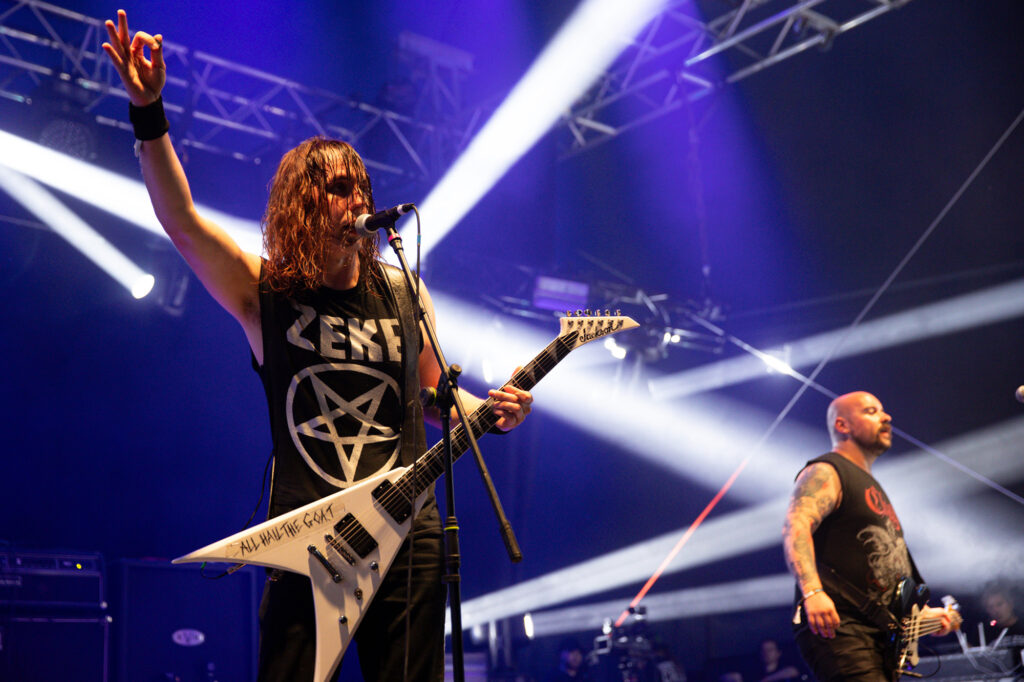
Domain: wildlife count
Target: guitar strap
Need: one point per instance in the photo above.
(414, 437)
(414, 440)
(873, 611)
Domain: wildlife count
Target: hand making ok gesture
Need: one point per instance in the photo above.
(143, 78)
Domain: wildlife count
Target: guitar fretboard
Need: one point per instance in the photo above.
(430, 466)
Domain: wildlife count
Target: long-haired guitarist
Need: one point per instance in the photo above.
(340, 367)
(844, 544)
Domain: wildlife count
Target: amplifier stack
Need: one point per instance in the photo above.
(54, 624)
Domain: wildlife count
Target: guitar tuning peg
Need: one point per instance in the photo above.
(579, 313)
(606, 313)
(587, 311)
(568, 313)
(618, 312)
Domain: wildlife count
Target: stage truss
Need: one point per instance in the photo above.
(228, 108)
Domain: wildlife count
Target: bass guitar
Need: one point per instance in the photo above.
(345, 542)
(908, 601)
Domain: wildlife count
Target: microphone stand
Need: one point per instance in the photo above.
(448, 396)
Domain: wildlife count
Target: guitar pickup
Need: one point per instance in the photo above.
(340, 549)
(355, 535)
(397, 504)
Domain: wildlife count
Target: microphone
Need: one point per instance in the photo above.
(1019, 393)
(367, 224)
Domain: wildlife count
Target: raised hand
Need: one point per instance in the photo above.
(143, 78)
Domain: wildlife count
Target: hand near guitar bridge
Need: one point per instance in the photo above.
(945, 620)
(823, 619)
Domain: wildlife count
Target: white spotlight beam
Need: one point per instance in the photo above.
(922, 489)
(589, 41)
(703, 440)
(974, 545)
(124, 197)
(994, 304)
(69, 226)
(744, 595)
(699, 440)
(738, 533)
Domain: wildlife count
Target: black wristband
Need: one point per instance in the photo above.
(149, 121)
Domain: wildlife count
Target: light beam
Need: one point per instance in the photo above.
(590, 40)
(123, 197)
(73, 229)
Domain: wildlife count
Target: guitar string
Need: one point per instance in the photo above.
(921, 627)
(482, 419)
(399, 492)
(482, 416)
(546, 360)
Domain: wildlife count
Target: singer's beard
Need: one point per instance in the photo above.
(876, 446)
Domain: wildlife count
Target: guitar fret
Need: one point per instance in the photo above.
(483, 419)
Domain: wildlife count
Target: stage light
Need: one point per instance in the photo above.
(126, 198)
(61, 220)
(552, 293)
(990, 305)
(591, 38)
(143, 285)
(617, 351)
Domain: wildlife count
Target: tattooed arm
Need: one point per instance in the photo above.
(816, 495)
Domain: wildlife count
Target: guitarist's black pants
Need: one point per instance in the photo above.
(288, 630)
(856, 653)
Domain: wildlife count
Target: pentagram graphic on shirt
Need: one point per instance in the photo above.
(342, 426)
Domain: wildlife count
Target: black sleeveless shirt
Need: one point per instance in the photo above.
(862, 539)
(333, 376)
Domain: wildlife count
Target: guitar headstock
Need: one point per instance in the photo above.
(586, 326)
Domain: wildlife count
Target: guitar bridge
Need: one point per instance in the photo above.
(325, 562)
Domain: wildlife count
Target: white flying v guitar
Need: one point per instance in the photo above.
(345, 542)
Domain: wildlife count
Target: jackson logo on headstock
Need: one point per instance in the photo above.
(598, 330)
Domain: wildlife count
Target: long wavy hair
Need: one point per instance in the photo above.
(297, 228)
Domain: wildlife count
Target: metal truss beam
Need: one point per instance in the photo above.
(228, 108)
(668, 64)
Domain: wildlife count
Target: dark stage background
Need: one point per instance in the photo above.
(141, 435)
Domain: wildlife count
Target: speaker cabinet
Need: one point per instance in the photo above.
(53, 648)
(174, 625)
